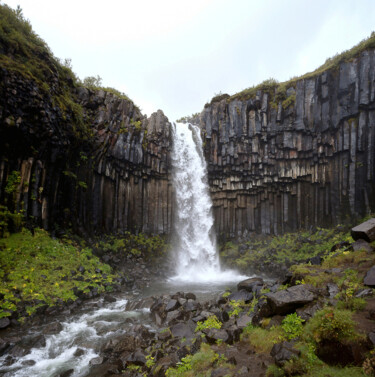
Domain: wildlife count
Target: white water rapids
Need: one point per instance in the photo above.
(197, 259)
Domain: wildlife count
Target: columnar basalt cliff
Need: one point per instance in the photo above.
(111, 175)
(306, 159)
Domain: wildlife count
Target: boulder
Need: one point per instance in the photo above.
(4, 322)
(172, 305)
(362, 245)
(288, 300)
(364, 231)
(248, 284)
(214, 335)
(243, 321)
(182, 330)
(53, 328)
(241, 295)
(137, 358)
(283, 352)
(369, 279)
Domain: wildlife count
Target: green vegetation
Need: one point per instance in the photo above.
(39, 270)
(293, 326)
(199, 364)
(331, 324)
(284, 250)
(262, 339)
(210, 323)
(141, 244)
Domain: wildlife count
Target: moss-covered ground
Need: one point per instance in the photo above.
(38, 270)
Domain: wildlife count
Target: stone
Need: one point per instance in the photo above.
(288, 300)
(52, 328)
(109, 298)
(67, 373)
(96, 361)
(364, 231)
(332, 289)
(4, 322)
(190, 296)
(283, 352)
(215, 335)
(362, 245)
(243, 321)
(241, 295)
(137, 358)
(172, 305)
(369, 279)
(182, 330)
(249, 284)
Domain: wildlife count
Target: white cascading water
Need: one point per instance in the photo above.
(196, 255)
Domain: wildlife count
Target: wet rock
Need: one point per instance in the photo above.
(182, 330)
(332, 289)
(362, 245)
(249, 284)
(215, 335)
(309, 310)
(137, 358)
(364, 231)
(243, 321)
(371, 337)
(369, 279)
(4, 345)
(283, 352)
(66, 373)
(191, 305)
(190, 296)
(96, 361)
(28, 363)
(4, 322)
(241, 295)
(109, 298)
(172, 305)
(79, 352)
(288, 300)
(53, 328)
(164, 363)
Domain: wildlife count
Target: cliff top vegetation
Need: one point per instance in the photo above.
(271, 85)
(22, 51)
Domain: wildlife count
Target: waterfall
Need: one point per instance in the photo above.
(195, 251)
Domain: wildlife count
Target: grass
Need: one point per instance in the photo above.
(262, 339)
(284, 250)
(199, 364)
(37, 270)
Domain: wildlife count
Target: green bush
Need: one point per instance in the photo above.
(210, 323)
(293, 326)
(331, 324)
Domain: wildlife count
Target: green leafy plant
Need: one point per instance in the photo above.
(210, 323)
(292, 325)
(237, 307)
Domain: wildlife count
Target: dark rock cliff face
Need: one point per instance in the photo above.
(113, 178)
(308, 161)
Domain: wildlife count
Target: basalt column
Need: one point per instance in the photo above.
(277, 166)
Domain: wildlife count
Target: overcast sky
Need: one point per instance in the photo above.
(176, 55)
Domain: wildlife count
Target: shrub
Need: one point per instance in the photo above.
(210, 323)
(292, 325)
(331, 324)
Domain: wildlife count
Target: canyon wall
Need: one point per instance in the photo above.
(306, 160)
(112, 177)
